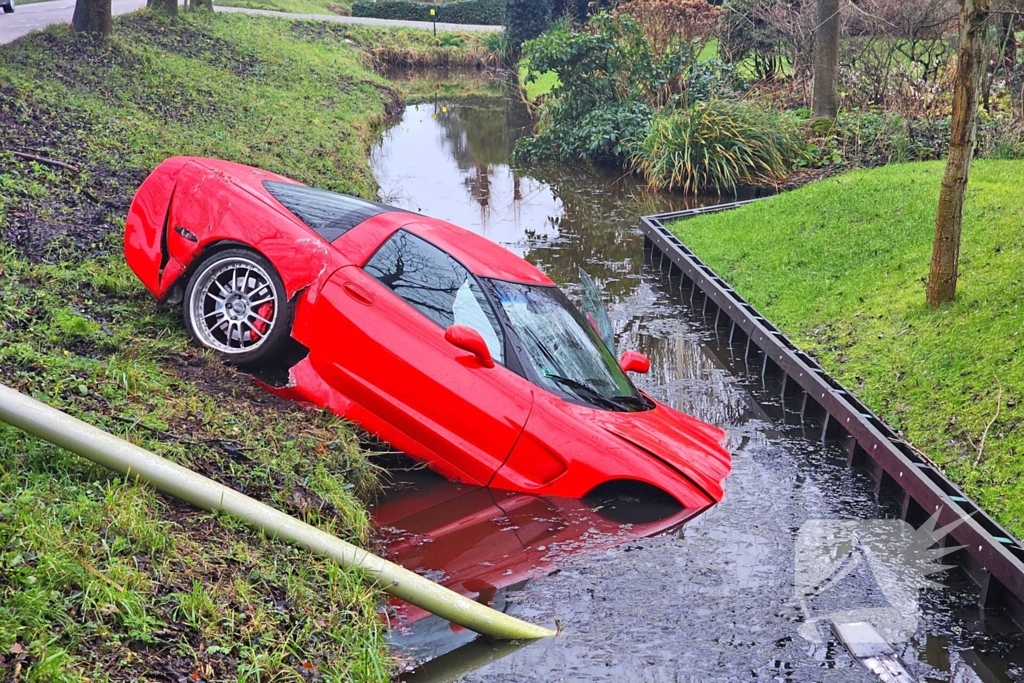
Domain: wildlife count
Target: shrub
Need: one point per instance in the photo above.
(670, 24)
(490, 12)
(717, 145)
(611, 79)
(525, 20)
(604, 133)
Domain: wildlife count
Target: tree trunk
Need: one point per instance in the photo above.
(949, 218)
(168, 7)
(825, 99)
(92, 16)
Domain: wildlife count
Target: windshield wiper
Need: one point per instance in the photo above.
(590, 391)
(634, 400)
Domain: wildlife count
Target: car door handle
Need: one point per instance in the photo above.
(358, 293)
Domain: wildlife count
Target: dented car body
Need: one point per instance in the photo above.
(434, 339)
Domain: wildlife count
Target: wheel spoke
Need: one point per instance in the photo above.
(259, 317)
(244, 290)
(253, 328)
(261, 301)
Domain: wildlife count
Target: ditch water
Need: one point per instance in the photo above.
(687, 598)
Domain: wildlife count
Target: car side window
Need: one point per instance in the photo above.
(437, 285)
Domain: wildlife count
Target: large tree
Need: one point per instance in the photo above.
(970, 67)
(92, 16)
(825, 101)
(169, 7)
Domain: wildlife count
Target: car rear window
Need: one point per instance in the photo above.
(329, 214)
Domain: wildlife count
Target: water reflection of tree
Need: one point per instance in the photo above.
(601, 207)
(481, 134)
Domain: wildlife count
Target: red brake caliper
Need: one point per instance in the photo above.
(265, 311)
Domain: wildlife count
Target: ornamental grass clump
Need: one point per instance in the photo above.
(717, 146)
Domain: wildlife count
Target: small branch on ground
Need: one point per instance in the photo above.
(98, 574)
(999, 406)
(45, 160)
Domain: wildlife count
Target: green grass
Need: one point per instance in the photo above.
(541, 85)
(102, 579)
(341, 7)
(841, 266)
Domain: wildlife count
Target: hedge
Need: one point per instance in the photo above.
(490, 12)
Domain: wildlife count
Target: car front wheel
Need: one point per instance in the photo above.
(236, 305)
(8, 6)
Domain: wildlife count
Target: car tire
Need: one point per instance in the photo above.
(8, 6)
(236, 305)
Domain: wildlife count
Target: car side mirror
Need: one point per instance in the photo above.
(468, 339)
(634, 361)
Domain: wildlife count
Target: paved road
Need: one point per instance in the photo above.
(41, 14)
(366, 21)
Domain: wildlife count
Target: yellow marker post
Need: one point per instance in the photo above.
(433, 17)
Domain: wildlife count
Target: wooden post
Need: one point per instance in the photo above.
(970, 67)
(825, 100)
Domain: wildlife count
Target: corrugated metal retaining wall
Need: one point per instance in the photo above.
(990, 555)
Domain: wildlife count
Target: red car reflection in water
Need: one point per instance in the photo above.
(438, 341)
(478, 541)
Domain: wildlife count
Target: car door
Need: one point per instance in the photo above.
(379, 339)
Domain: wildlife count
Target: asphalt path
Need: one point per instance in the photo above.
(28, 18)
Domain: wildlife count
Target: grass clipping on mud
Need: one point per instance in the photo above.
(102, 579)
(841, 266)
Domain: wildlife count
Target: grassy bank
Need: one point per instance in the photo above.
(841, 265)
(339, 7)
(101, 579)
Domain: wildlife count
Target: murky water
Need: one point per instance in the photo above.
(708, 598)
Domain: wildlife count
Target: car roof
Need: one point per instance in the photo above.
(481, 256)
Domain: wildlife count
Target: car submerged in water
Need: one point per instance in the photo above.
(428, 336)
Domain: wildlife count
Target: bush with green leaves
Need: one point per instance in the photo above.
(611, 82)
(488, 12)
(717, 145)
(526, 19)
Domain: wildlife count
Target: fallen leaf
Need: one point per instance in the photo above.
(17, 649)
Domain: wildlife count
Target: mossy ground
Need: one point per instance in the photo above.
(102, 579)
(841, 265)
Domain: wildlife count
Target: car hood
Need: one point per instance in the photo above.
(684, 443)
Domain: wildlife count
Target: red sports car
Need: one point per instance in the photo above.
(438, 341)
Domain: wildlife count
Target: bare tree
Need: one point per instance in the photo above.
(825, 98)
(92, 16)
(963, 139)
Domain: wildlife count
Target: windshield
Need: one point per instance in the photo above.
(564, 352)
